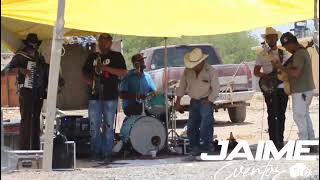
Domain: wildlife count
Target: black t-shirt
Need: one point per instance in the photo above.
(109, 86)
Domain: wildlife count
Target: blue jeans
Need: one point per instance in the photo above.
(102, 137)
(200, 124)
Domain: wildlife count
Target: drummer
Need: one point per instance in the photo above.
(135, 87)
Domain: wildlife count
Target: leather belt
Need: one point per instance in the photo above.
(22, 86)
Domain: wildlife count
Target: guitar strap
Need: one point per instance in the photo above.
(281, 54)
(275, 71)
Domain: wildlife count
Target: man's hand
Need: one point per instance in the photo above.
(206, 101)
(115, 71)
(141, 96)
(105, 68)
(277, 65)
(25, 72)
(88, 79)
(264, 76)
(178, 107)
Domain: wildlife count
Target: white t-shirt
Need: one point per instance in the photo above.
(264, 61)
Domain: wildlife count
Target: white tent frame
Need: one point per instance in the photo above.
(55, 59)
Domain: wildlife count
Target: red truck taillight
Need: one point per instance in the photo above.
(248, 71)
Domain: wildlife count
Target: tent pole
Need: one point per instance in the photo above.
(166, 76)
(55, 59)
(316, 25)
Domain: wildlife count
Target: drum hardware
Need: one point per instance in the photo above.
(143, 113)
(173, 117)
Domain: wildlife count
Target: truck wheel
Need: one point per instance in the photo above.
(237, 114)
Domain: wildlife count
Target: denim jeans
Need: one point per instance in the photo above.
(200, 124)
(102, 133)
(301, 114)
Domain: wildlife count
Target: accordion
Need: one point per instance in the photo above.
(28, 81)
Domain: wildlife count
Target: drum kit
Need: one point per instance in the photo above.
(148, 132)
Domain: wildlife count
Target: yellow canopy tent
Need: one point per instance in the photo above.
(166, 18)
(162, 18)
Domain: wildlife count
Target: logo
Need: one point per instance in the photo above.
(293, 150)
(106, 62)
(299, 170)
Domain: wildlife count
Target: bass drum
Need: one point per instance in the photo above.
(145, 134)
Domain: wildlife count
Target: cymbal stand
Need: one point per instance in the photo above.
(173, 117)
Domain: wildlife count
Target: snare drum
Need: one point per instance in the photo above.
(145, 134)
(156, 105)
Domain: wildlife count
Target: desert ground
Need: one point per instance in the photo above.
(252, 130)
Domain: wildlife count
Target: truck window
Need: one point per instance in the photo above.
(176, 55)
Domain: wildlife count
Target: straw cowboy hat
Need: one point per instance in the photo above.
(270, 30)
(193, 58)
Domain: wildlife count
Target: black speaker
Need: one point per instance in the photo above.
(62, 154)
(77, 129)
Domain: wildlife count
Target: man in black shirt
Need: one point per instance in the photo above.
(30, 97)
(101, 72)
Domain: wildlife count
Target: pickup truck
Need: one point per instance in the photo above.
(235, 79)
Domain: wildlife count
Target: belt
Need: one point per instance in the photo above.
(22, 86)
(192, 99)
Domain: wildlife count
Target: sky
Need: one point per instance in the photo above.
(283, 28)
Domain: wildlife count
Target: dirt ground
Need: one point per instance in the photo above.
(255, 127)
(252, 130)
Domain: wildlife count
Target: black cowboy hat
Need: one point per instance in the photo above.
(32, 38)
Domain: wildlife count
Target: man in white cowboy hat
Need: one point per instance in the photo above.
(200, 82)
(276, 99)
